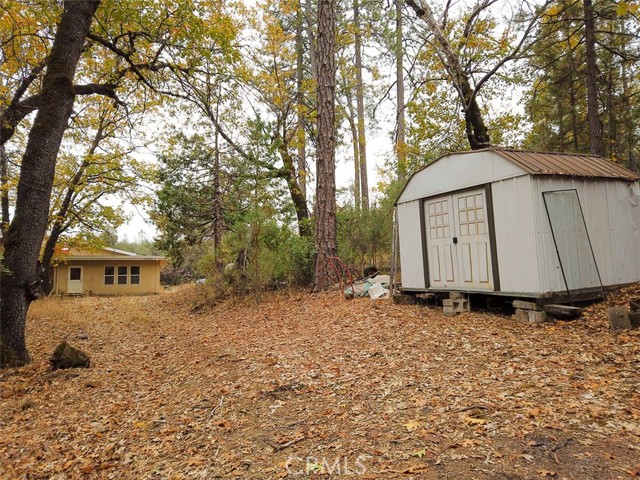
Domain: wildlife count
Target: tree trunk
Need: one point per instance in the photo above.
(4, 192)
(325, 211)
(313, 56)
(574, 144)
(401, 142)
(27, 229)
(627, 120)
(351, 119)
(217, 194)
(300, 106)
(477, 132)
(560, 112)
(595, 127)
(288, 173)
(362, 141)
(611, 146)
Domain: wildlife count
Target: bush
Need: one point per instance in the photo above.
(260, 255)
(364, 238)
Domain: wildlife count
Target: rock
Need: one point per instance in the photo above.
(618, 318)
(634, 319)
(66, 356)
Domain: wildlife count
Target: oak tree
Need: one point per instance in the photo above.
(26, 231)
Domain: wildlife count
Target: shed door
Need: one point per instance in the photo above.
(458, 245)
(441, 254)
(74, 284)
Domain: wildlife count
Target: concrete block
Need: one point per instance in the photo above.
(537, 317)
(457, 295)
(522, 316)
(448, 311)
(449, 302)
(526, 305)
(462, 305)
(618, 318)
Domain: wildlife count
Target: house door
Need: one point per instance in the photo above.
(74, 284)
(458, 248)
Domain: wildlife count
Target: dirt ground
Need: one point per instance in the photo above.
(316, 386)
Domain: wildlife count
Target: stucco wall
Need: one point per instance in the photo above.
(93, 276)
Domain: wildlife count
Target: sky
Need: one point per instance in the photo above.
(379, 149)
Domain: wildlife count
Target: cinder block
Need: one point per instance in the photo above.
(461, 305)
(537, 317)
(448, 302)
(457, 295)
(522, 316)
(448, 311)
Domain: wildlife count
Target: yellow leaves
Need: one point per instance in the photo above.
(625, 8)
(554, 9)
(574, 40)
(475, 420)
(419, 453)
(412, 425)
(546, 473)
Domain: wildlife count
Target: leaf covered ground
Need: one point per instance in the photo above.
(313, 386)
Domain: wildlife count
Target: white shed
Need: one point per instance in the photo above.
(524, 224)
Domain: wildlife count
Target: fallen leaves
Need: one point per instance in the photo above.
(245, 389)
(546, 473)
(633, 472)
(412, 425)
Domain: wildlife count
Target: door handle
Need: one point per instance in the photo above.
(455, 240)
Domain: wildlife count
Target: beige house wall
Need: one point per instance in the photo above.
(93, 276)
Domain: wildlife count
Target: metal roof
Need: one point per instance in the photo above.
(575, 164)
(114, 258)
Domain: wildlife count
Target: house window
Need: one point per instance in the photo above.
(134, 278)
(109, 275)
(75, 273)
(122, 275)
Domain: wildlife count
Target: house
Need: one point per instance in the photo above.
(522, 224)
(107, 272)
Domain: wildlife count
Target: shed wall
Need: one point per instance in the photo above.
(515, 227)
(410, 235)
(457, 172)
(612, 215)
